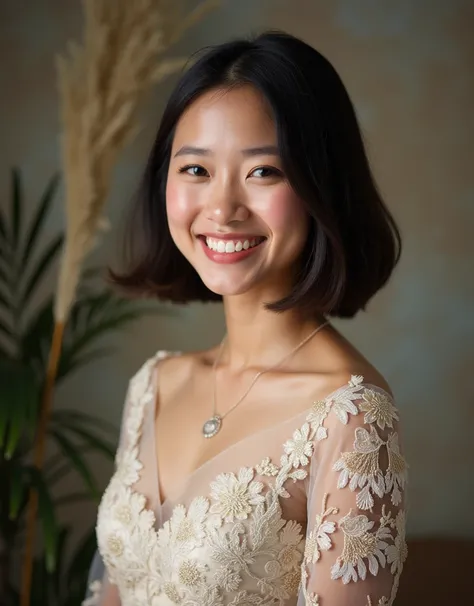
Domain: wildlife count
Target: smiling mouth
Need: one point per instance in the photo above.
(232, 246)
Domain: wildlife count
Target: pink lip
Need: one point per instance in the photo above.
(226, 258)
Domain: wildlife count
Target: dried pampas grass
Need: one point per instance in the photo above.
(101, 84)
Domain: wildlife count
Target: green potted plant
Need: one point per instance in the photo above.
(25, 339)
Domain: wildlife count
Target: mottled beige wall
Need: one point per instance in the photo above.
(408, 66)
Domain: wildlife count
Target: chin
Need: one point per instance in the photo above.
(228, 285)
(227, 290)
(232, 287)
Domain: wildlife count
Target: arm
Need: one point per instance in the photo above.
(99, 591)
(355, 542)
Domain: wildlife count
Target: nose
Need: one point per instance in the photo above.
(223, 206)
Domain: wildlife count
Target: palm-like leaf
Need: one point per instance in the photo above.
(16, 208)
(19, 392)
(66, 585)
(72, 453)
(40, 269)
(20, 272)
(47, 515)
(25, 342)
(37, 223)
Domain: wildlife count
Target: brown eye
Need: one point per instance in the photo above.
(194, 170)
(265, 171)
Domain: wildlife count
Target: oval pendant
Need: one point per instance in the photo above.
(212, 426)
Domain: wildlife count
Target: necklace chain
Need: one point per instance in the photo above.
(259, 374)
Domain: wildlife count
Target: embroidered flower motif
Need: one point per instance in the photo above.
(128, 467)
(382, 602)
(227, 579)
(189, 573)
(128, 509)
(290, 537)
(185, 528)
(318, 539)
(342, 402)
(361, 469)
(172, 593)
(134, 422)
(398, 552)
(378, 408)
(319, 412)
(238, 542)
(235, 496)
(291, 582)
(360, 544)
(115, 546)
(300, 447)
(266, 468)
(397, 470)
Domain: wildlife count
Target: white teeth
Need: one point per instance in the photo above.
(230, 246)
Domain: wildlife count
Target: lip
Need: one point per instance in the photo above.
(228, 258)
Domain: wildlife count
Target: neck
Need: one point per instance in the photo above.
(257, 337)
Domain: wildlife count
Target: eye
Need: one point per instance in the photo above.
(262, 172)
(194, 170)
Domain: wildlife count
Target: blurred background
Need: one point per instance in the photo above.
(408, 66)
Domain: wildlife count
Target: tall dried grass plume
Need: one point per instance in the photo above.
(102, 83)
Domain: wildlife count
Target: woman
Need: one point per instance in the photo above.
(266, 470)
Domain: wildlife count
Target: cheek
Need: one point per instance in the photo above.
(284, 212)
(179, 208)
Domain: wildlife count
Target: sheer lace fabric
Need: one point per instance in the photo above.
(308, 511)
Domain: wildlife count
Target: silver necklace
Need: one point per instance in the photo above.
(212, 426)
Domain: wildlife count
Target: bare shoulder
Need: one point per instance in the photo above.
(341, 360)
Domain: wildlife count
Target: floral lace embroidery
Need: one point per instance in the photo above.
(235, 497)
(378, 408)
(146, 563)
(143, 568)
(318, 538)
(95, 588)
(361, 469)
(360, 544)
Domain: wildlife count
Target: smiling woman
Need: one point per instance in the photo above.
(281, 109)
(266, 471)
(232, 176)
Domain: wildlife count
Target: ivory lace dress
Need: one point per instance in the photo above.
(308, 511)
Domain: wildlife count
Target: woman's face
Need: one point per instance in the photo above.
(231, 210)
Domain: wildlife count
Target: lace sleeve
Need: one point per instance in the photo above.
(355, 540)
(100, 591)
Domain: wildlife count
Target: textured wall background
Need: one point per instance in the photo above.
(408, 67)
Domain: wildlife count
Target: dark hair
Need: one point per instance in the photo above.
(353, 243)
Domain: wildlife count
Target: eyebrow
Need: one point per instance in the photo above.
(265, 150)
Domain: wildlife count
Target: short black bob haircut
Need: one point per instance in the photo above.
(353, 243)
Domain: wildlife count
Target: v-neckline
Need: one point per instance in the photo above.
(152, 391)
(202, 466)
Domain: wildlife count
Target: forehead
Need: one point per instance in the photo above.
(224, 115)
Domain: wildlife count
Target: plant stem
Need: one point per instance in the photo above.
(54, 356)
